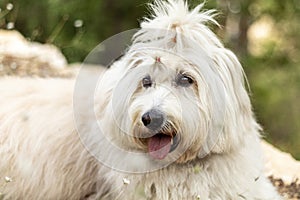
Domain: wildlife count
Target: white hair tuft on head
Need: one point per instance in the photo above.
(173, 20)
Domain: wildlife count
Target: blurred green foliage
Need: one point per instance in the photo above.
(264, 34)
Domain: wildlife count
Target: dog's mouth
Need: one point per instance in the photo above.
(161, 144)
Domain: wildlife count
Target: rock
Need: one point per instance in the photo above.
(283, 171)
(21, 57)
(280, 164)
(288, 191)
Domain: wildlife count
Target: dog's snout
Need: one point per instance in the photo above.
(153, 119)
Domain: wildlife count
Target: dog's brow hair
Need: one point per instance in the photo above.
(135, 63)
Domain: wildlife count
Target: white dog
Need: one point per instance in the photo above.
(170, 120)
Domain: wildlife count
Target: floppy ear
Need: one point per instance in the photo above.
(111, 78)
(238, 117)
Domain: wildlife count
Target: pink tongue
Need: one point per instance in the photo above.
(159, 146)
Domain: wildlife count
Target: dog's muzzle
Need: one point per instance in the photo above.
(164, 137)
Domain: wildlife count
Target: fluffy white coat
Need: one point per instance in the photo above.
(45, 152)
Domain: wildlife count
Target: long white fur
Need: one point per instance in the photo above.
(40, 149)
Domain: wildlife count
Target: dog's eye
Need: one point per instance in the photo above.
(147, 82)
(184, 80)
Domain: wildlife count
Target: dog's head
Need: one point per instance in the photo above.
(165, 107)
(177, 94)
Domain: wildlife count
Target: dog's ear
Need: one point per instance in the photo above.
(106, 83)
(238, 119)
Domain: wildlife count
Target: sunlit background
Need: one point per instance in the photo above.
(264, 34)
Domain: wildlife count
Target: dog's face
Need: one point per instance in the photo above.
(175, 99)
(165, 108)
(171, 107)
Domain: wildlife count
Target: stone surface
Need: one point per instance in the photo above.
(20, 57)
(283, 170)
(280, 164)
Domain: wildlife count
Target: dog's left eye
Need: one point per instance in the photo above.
(184, 80)
(147, 82)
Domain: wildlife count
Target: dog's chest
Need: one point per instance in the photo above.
(188, 182)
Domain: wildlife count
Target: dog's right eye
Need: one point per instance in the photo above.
(147, 82)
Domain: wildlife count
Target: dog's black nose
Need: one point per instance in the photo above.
(153, 119)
